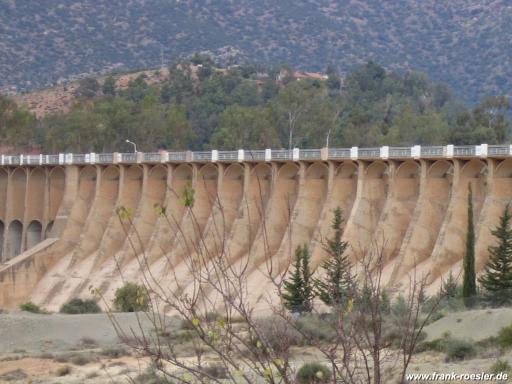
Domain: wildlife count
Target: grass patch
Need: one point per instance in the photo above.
(78, 306)
(33, 308)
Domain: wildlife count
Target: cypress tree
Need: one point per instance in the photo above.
(469, 283)
(334, 288)
(298, 294)
(497, 278)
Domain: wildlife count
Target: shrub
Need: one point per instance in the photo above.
(217, 371)
(31, 307)
(114, 352)
(131, 298)
(500, 366)
(458, 349)
(76, 306)
(63, 371)
(505, 337)
(318, 328)
(81, 360)
(313, 373)
(437, 345)
(275, 333)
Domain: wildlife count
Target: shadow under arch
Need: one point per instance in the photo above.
(440, 169)
(376, 170)
(57, 181)
(36, 194)
(3, 191)
(34, 233)
(346, 170)
(504, 169)
(18, 187)
(317, 170)
(409, 169)
(109, 186)
(48, 230)
(14, 237)
(87, 184)
(2, 230)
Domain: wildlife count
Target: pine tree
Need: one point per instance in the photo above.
(449, 287)
(469, 283)
(299, 288)
(497, 279)
(334, 289)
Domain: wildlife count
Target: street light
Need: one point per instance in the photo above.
(134, 145)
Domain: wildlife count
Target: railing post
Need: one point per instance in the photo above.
(92, 158)
(482, 150)
(3, 159)
(295, 154)
(215, 155)
(449, 151)
(416, 151)
(61, 158)
(189, 156)
(21, 159)
(164, 156)
(40, 159)
(353, 153)
(69, 158)
(324, 154)
(241, 155)
(268, 154)
(47, 159)
(139, 157)
(384, 152)
(116, 158)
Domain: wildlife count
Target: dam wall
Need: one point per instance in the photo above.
(70, 222)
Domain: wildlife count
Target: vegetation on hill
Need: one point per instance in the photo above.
(203, 107)
(463, 43)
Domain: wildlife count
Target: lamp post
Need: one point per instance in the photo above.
(134, 145)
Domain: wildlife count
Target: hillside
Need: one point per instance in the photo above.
(462, 43)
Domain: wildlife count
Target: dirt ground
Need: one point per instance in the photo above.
(57, 348)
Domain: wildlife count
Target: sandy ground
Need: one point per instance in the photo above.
(22, 331)
(474, 325)
(39, 348)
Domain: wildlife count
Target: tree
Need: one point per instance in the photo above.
(335, 288)
(497, 280)
(299, 288)
(469, 282)
(109, 86)
(87, 88)
(131, 298)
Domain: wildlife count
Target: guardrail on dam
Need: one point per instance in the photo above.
(60, 234)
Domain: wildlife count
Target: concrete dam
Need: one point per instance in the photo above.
(61, 232)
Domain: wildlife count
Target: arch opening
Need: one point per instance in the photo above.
(408, 170)
(376, 170)
(48, 230)
(15, 233)
(56, 190)
(317, 171)
(346, 170)
(34, 232)
(440, 169)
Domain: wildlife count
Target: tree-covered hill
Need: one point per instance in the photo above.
(462, 43)
(198, 106)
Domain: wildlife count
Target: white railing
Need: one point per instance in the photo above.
(152, 157)
(310, 154)
(267, 155)
(202, 156)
